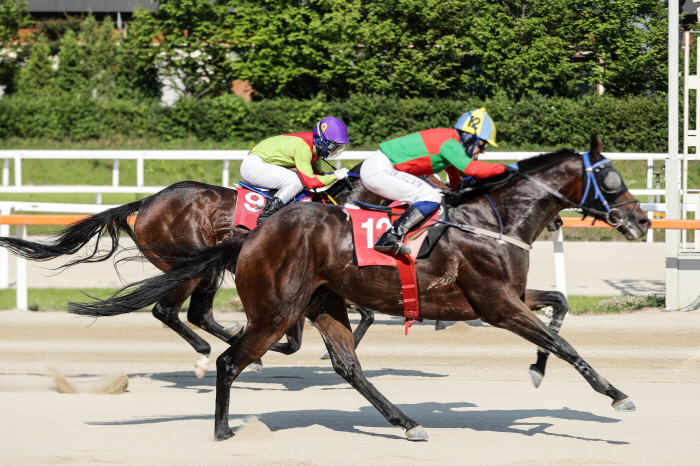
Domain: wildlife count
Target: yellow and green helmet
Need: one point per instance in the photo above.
(478, 123)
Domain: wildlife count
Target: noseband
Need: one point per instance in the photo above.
(606, 184)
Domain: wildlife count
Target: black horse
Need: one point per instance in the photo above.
(300, 264)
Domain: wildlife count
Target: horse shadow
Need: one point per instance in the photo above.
(459, 415)
(290, 378)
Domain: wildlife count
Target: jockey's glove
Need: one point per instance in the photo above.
(341, 173)
(512, 168)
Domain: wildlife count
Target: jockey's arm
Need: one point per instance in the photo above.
(307, 171)
(454, 153)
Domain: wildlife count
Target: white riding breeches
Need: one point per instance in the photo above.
(379, 176)
(266, 175)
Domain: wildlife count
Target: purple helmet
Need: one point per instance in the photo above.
(332, 129)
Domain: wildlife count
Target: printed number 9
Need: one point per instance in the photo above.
(254, 202)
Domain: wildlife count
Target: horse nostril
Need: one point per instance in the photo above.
(645, 223)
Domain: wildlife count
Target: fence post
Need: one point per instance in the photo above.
(18, 169)
(6, 173)
(224, 174)
(4, 253)
(139, 170)
(559, 270)
(650, 199)
(98, 198)
(22, 298)
(115, 173)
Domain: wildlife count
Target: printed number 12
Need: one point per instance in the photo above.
(369, 226)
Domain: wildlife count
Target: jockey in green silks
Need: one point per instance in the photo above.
(268, 164)
(393, 171)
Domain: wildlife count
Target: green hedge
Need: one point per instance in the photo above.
(627, 124)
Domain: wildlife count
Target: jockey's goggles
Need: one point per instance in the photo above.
(334, 149)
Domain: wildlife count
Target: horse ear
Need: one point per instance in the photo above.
(596, 145)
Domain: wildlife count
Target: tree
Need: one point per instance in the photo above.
(101, 55)
(441, 48)
(14, 15)
(137, 67)
(72, 73)
(193, 45)
(37, 76)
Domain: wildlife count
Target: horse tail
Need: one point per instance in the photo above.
(206, 263)
(111, 222)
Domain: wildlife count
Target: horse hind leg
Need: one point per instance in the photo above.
(535, 299)
(333, 324)
(201, 314)
(366, 320)
(167, 311)
(251, 346)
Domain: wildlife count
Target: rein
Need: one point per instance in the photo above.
(611, 210)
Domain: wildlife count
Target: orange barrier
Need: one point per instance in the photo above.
(569, 222)
(656, 224)
(21, 219)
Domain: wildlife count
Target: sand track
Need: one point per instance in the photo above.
(470, 391)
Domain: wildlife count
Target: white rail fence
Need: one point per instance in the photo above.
(225, 157)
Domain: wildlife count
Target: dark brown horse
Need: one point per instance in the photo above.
(185, 216)
(300, 264)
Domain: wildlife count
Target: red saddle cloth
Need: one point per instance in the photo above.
(249, 205)
(367, 227)
(248, 208)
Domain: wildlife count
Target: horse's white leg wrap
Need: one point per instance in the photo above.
(201, 365)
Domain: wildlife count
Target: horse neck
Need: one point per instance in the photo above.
(524, 208)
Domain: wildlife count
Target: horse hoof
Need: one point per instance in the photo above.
(624, 405)
(325, 355)
(257, 366)
(234, 329)
(536, 377)
(201, 365)
(224, 435)
(417, 434)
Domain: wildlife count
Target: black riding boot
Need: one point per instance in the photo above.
(390, 241)
(270, 208)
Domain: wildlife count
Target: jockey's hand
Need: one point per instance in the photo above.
(341, 173)
(511, 169)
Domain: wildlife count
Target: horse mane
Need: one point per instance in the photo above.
(545, 160)
(477, 187)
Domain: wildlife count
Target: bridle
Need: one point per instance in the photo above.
(606, 184)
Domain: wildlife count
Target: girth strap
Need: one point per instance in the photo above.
(409, 289)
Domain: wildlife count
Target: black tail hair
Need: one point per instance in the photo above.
(69, 241)
(209, 263)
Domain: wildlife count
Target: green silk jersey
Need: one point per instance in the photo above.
(295, 151)
(433, 150)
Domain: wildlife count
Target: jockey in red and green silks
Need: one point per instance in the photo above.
(269, 164)
(393, 171)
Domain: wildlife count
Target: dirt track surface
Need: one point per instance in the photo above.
(469, 388)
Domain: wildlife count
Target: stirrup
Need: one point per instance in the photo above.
(392, 246)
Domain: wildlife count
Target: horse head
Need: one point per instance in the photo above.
(605, 196)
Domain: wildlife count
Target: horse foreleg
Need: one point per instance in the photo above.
(333, 324)
(167, 311)
(535, 300)
(366, 320)
(523, 322)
